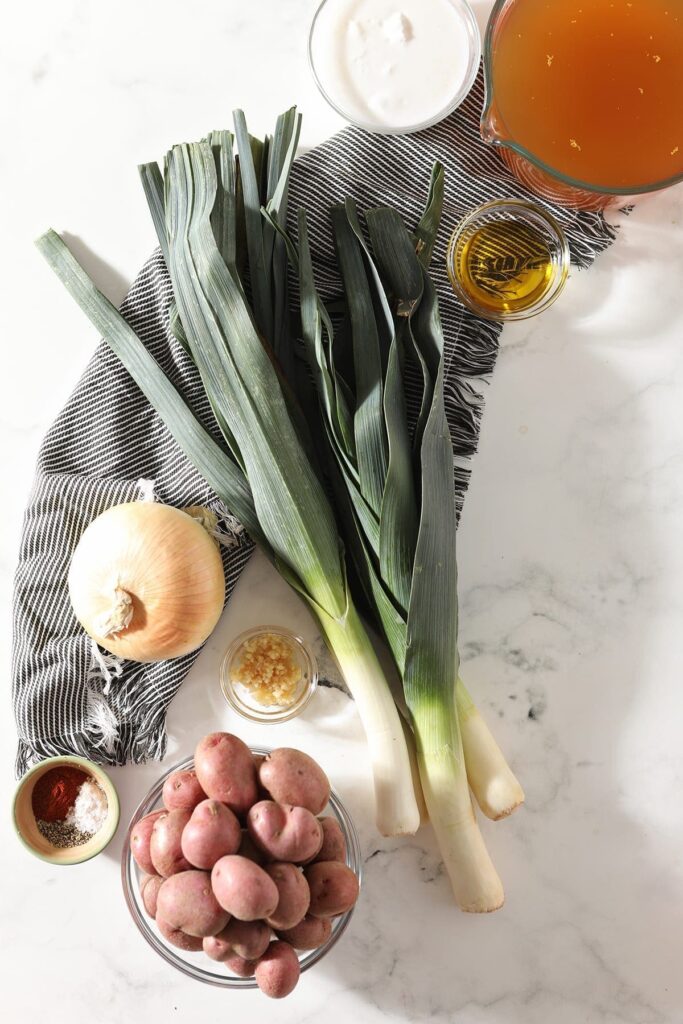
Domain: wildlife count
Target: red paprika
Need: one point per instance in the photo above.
(55, 792)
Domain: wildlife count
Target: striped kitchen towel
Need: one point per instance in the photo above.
(71, 698)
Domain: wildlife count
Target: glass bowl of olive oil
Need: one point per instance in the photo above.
(508, 260)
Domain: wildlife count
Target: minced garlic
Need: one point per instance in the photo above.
(267, 668)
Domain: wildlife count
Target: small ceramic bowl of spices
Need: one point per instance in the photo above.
(268, 674)
(66, 810)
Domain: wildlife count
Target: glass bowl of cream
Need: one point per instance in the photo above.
(394, 66)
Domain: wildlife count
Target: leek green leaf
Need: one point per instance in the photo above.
(426, 230)
(251, 160)
(153, 187)
(239, 375)
(211, 461)
(370, 439)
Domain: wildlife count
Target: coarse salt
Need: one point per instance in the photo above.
(89, 812)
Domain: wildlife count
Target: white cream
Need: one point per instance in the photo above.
(393, 63)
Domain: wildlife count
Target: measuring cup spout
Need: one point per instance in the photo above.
(491, 127)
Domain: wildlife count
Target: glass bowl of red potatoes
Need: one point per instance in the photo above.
(241, 867)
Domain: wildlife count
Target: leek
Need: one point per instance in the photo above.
(262, 471)
(495, 787)
(397, 506)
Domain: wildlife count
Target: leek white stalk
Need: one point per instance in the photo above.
(397, 809)
(475, 882)
(495, 787)
(415, 772)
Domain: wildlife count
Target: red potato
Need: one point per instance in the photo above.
(334, 888)
(250, 850)
(245, 939)
(216, 948)
(212, 832)
(242, 968)
(186, 901)
(249, 939)
(165, 845)
(310, 933)
(284, 832)
(182, 791)
(292, 777)
(226, 771)
(294, 893)
(149, 891)
(243, 888)
(262, 793)
(278, 970)
(334, 844)
(140, 839)
(190, 943)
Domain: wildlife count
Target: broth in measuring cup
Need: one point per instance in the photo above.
(592, 89)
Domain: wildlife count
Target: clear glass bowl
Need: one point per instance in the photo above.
(197, 965)
(474, 57)
(538, 236)
(240, 699)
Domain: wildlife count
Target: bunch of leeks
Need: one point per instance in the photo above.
(398, 513)
(393, 488)
(262, 470)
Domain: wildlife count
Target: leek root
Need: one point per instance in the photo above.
(475, 882)
(495, 787)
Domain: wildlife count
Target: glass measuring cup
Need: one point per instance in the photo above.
(539, 174)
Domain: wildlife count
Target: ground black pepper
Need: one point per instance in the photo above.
(61, 835)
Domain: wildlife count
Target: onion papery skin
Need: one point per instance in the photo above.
(168, 564)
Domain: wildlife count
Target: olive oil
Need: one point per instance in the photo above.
(504, 266)
(508, 259)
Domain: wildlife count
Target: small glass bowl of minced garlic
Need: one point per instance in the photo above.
(268, 674)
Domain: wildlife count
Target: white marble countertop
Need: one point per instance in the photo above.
(571, 557)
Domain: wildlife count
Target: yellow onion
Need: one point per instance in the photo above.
(146, 581)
